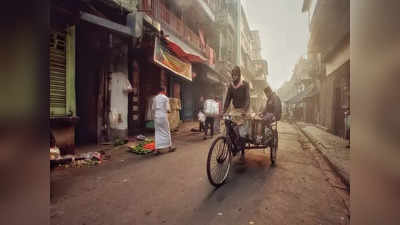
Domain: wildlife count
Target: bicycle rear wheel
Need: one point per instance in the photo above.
(218, 161)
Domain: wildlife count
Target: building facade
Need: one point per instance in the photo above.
(88, 72)
(108, 58)
(329, 50)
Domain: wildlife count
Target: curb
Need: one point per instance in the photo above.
(344, 179)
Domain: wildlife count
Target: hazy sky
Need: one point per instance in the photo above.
(284, 34)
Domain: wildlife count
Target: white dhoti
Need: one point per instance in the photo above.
(162, 133)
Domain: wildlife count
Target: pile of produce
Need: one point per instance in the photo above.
(143, 148)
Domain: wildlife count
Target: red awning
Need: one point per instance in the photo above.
(182, 54)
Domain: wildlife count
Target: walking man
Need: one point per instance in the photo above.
(200, 110)
(210, 121)
(161, 108)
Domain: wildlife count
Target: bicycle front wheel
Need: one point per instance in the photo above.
(218, 161)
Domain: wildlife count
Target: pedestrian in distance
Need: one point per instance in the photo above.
(200, 110)
(209, 124)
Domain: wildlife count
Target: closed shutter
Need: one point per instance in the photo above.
(57, 81)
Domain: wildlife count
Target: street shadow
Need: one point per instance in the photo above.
(242, 183)
(257, 166)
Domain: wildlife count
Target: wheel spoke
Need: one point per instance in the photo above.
(218, 169)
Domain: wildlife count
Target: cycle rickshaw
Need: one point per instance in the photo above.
(223, 149)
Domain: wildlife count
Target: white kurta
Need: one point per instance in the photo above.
(160, 108)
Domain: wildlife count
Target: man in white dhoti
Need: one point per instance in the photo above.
(161, 108)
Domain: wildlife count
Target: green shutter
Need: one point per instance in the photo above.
(58, 78)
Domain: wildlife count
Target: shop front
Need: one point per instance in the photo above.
(161, 62)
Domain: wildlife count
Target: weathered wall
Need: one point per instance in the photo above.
(90, 60)
(341, 56)
(65, 138)
(335, 67)
(326, 102)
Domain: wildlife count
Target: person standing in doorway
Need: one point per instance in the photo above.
(161, 108)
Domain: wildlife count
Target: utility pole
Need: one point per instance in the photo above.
(238, 29)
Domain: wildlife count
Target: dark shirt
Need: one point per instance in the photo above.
(200, 106)
(272, 105)
(240, 97)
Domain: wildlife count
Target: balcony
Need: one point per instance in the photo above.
(315, 66)
(212, 4)
(209, 7)
(224, 18)
(176, 26)
(260, 67)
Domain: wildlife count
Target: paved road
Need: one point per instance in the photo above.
(173, 189)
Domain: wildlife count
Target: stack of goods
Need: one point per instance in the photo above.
(55, 153)
(143, 148)
(211, 108)
(173, 117)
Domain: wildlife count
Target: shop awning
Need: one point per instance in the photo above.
(295, 99)
(164, 58)
(299, 97)
(311, 91)
(182, 54)
(183, 50)
(106, 23)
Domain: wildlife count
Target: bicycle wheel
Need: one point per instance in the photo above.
(218, 161)
(274, 148)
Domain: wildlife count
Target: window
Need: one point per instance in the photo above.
(62, 73)
(57, 98)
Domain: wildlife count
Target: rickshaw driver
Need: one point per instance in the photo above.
(273, 108)
(272, 111)
(239, 94)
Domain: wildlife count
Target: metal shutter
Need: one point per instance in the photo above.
(57, 81)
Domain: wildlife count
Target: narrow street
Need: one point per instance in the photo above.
(173, 188)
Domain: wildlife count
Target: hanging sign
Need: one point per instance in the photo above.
(170, 62)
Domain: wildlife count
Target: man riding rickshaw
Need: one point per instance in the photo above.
(244, 130)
